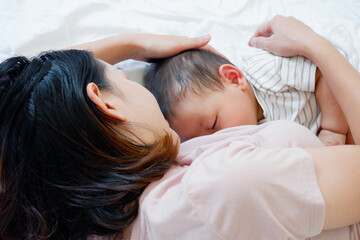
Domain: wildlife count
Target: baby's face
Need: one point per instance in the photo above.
(212, 111)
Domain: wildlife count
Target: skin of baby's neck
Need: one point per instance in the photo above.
(258, 108)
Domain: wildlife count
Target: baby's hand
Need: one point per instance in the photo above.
(330, 138)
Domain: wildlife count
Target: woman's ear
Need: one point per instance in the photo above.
(230, 74)
(104, 106)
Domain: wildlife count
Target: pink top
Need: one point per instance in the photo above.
(247, 182)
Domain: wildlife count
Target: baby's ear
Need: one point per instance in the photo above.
(230, 74)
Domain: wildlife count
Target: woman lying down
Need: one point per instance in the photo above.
(86, 153)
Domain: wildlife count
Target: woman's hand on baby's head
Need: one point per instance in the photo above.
(284, 36)
(161, 46)
(211, 49)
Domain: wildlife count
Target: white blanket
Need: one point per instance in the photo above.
(28, 27)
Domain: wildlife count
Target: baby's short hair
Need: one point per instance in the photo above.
(194, 71)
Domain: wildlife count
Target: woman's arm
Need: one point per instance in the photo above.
(343, 80)
(334, 126)
(288, 36)
(337, 168)
(337, 172)
(142, 46)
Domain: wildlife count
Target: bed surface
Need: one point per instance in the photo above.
(29, 26)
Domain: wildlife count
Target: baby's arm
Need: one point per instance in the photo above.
(333, 122)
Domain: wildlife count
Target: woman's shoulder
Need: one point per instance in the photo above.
(280, 133)
(231, 184)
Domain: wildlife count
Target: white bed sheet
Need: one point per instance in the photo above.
(29, 26)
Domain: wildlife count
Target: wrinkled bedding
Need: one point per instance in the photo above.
(29, 26)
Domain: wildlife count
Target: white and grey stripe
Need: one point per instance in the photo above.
(284, 87)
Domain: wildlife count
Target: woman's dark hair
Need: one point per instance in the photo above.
(66, 173)
(170, 79)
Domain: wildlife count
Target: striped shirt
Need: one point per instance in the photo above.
(284, 87)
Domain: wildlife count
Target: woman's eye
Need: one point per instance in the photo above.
(214, 125)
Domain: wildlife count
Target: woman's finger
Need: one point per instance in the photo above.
(260, 42)
(211, 49)
(196, 42)
(201, 41)
(265, 30)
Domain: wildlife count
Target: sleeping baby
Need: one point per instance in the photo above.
(200, 92)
